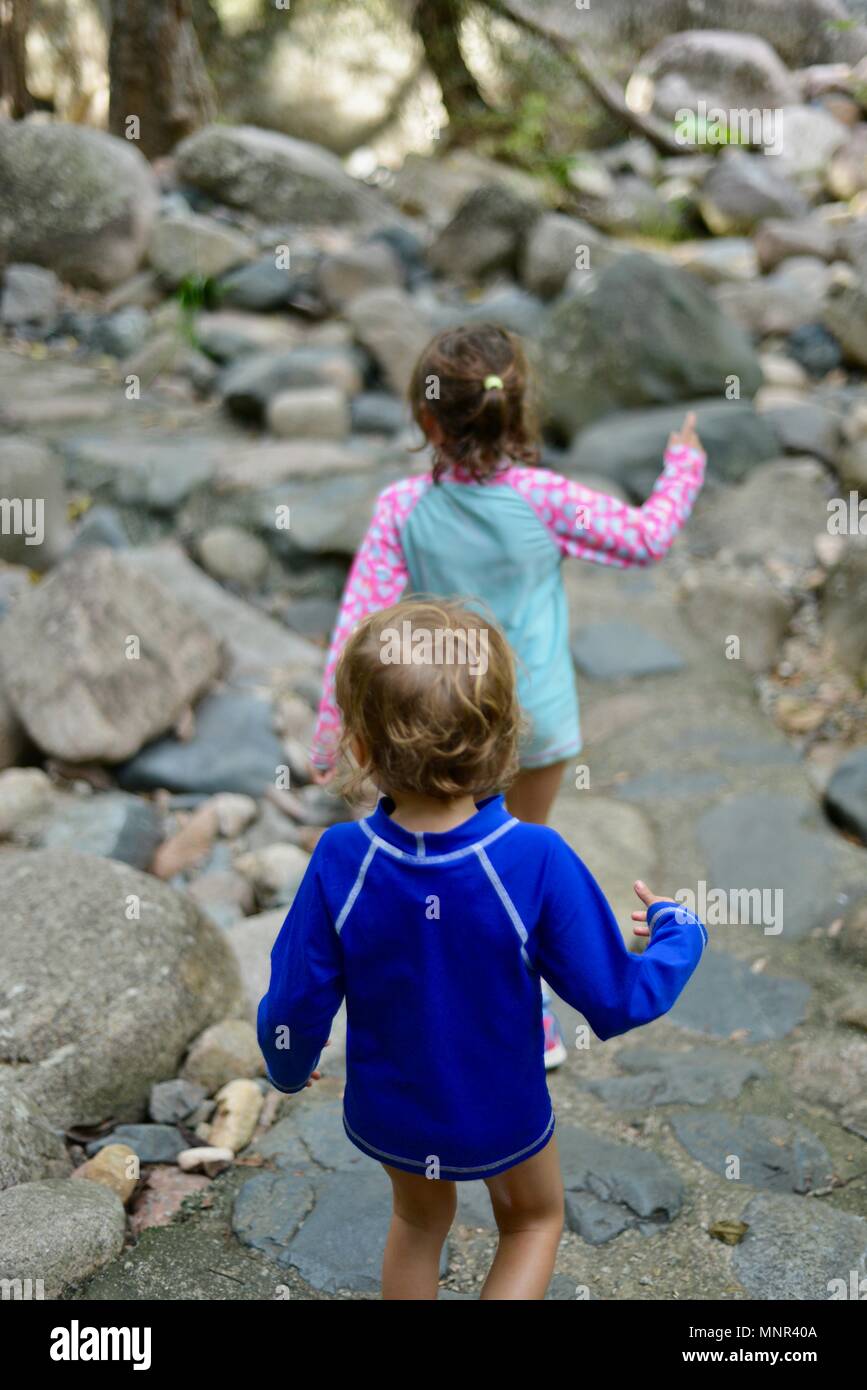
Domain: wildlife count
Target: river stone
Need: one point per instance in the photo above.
(30, 472)
(29, 296)
(779, 507)
(724, 996)
(608, 651)
(255, 645)
(319, 412)
(772, 842)
(58, 1231)
(30, 1148)
(676, 1078)
(628, 445)
(320, 1127)
(552, 250)
(743, 190)
(341, 1243)
(776, 239)
(773, 1153)
(799, 1250)
(389, 323)
(274, 176)
(261, 286)
(146, 471)
(247, 386)
(226, 1051)
(844, 600)
(174, 1100)
(13, 740)
(611, 1187)
(187, 245)
(25, 795)
(233, 749)
(846, 794)
(109, 824)
(65, 666)
(227, 334)
(485, 234)
(845, 314)
(268, 1211)
(281, 1145)
(101, 526)
(750, 607)
(109, 1003)
(152, 1143)
(229, 553)
(731, 71)
(593, 358)
(76, 200)
(664, 785)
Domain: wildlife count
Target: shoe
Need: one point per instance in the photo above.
(555, 1048)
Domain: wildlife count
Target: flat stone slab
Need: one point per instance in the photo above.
(772, 1153)
(153, 1143)
(696, 1077)
(233, 749)
(320, 1129)
(269, 1210)
(341, 1243)
(665, 785)
(111, 824)
(800, 1249)
(724, 996)
(607, 651)
(612, 1186)
(769, 843)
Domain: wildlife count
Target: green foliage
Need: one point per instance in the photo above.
(195, 293)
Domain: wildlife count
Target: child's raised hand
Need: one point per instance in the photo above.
(648, 899)
(321, 775)
(687, 434)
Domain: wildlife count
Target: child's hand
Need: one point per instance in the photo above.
(317, 1075)
(686, 435)
(321, 775)
(648, 899)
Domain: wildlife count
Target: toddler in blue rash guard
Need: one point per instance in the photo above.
(435, 917)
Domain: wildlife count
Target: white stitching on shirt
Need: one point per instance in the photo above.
(434, 858)
(355, 889)
(499, 889)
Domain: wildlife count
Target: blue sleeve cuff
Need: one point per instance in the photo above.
(682, 914)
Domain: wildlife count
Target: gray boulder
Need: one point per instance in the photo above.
(627, 446)
(66, 666)
(646, 333)
(183, 245)
(556, 246)
(389, 324)
(485, 235)
(108, 976)
(76, 200)
(728, 71)
(34, 530)
(30, 1147)
(273, 176)
(29, 296)
(846, 794)
(742, 190)
(844, 603)
(56, 1232)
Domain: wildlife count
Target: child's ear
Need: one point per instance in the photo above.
(430, 425)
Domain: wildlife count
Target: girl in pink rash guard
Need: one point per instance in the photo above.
(487, 524)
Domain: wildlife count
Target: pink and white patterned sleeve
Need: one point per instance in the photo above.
(590, 525)
(377, 578)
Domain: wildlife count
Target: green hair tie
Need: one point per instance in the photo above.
(493, 382)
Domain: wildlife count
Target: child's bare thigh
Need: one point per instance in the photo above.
(421, 1201)
(531, 1193)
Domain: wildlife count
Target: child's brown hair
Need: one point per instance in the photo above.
(473, 381)
(440, 727)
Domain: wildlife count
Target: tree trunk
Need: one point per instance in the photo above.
(15, 99)
(156, 74)
(438, 23)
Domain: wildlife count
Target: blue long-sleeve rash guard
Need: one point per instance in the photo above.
(438, 942)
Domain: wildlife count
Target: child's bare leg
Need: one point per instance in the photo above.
(424, 1209)
(528, 1208)
(532, 793)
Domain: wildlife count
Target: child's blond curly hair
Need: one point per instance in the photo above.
(427, 692)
